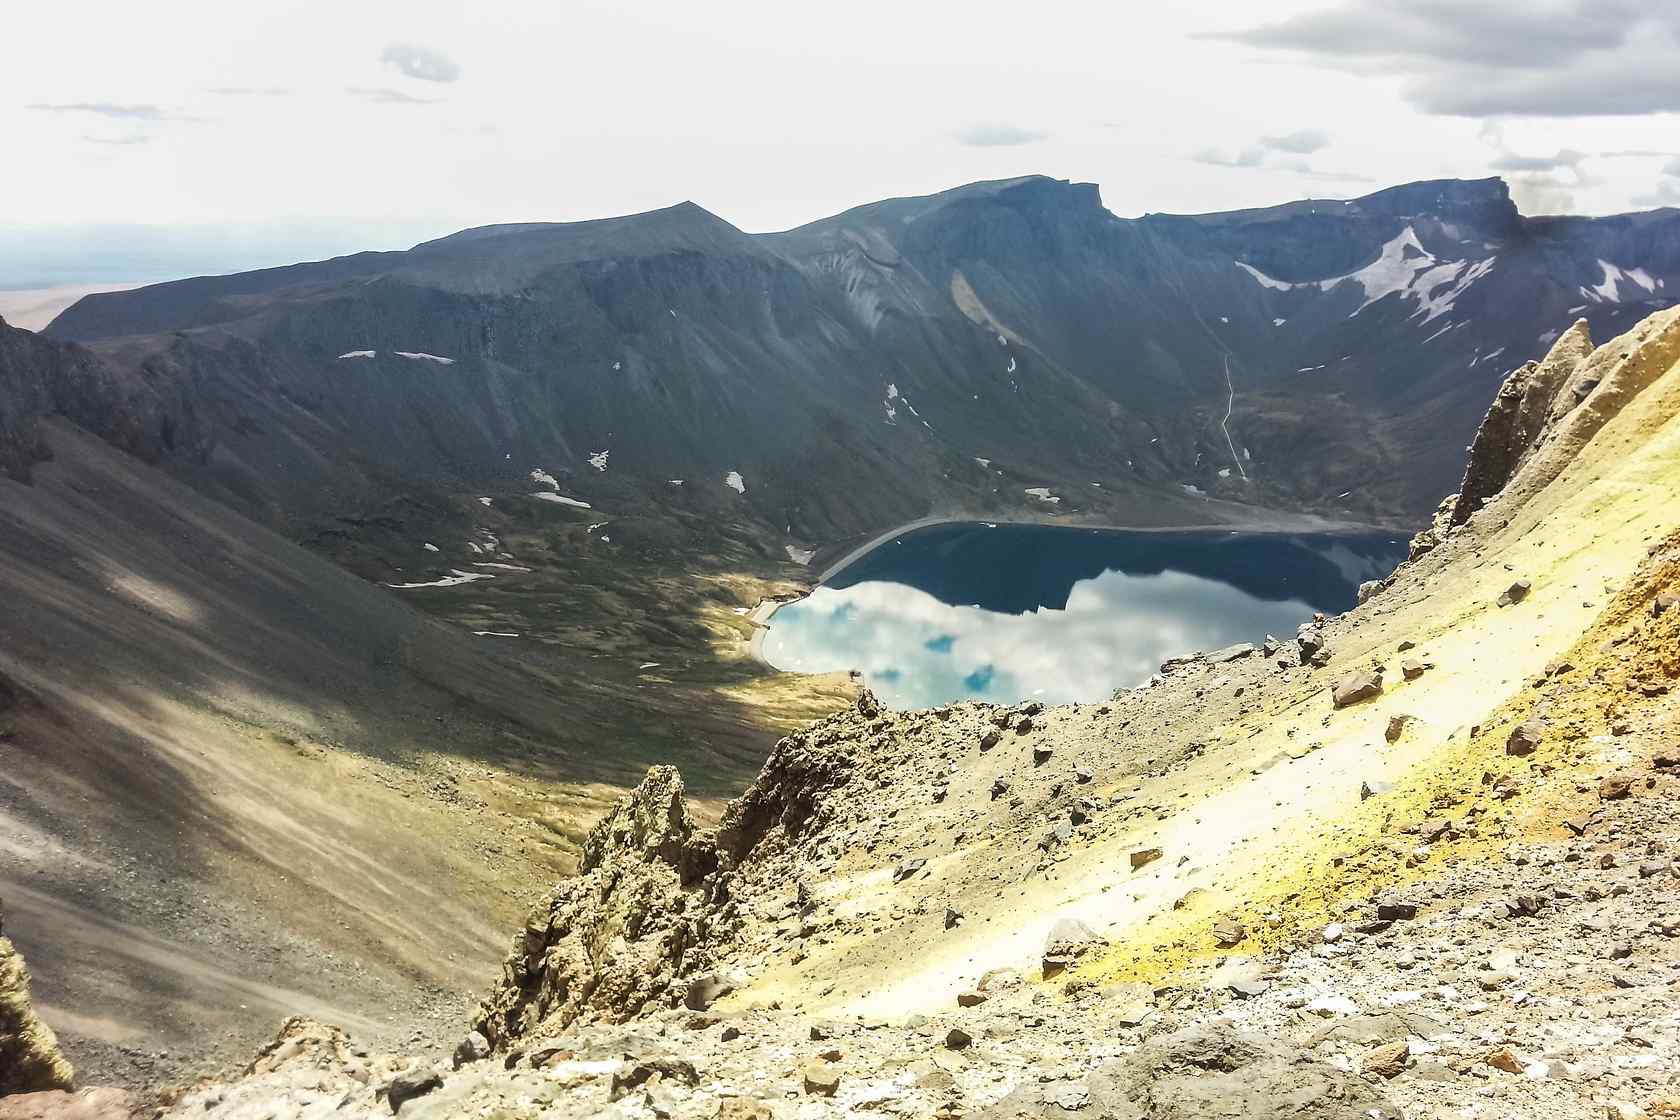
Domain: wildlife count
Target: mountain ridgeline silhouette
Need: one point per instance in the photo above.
(947, 352)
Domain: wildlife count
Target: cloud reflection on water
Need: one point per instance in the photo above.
(916, 651)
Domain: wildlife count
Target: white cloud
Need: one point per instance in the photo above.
(420, 63)
(999, 136)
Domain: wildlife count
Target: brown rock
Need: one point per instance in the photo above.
(820, 1079)
(1388, 1061)
(1412, 668)
(1355, 687)
(1144, 856)
(971, 999)
(415, 1083)
(958, 1039)
(1228, 932)
(1506, 1059)
(1396, 728)
(1515, 593)
(1615, 787)
(1525, 738)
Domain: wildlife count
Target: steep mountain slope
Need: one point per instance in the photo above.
(925, 354)
(1267, 887)
(233, 774)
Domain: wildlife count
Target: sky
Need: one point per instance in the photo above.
(153, 140)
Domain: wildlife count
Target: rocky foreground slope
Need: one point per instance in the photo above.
(1416, 860)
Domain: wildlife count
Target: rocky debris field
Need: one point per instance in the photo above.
(1513, 953)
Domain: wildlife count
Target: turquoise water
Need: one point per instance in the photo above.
(973, 611)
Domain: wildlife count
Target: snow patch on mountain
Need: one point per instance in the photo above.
(1403, 267)
(455, 578)
(1263, 280)
(560, 500)
(1608, 290)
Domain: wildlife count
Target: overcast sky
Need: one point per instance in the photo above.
(255, 133)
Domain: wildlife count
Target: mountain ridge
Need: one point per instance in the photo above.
(910, 356)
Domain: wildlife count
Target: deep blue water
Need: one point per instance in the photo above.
(978, 612)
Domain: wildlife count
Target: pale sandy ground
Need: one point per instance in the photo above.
(1237, 834)
(33, 308)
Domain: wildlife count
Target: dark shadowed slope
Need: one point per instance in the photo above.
(233, 775)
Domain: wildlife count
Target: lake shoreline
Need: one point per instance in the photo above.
(1279, 524)
(1282, 524)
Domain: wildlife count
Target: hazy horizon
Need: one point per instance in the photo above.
(244, 137)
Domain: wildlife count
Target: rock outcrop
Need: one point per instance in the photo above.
(1516, 419)
(30, 1060)
(653, 904)
(1547, 411)
(42, 378)
(646, 903)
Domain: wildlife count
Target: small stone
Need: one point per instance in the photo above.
(1041, 755)
(407, 1086)
(1615, 787)
(1332, 933)
(999, 788)
(1388, 1061)
(990, 739)
(1228, 932)
(1525, 738)
(1393, 908)
(1082, 776)
(1068, 940)
(1396, 728)
(820, 1079)
(1506, 1059)
(971, 999)
(953, 917)
(1515, 593)
(1412, 668)
(730, 1033)
(474, 1048)
(1355, 687)
(908, 868)
(703, 991)
(1144, 856)
(958, 1039)
(1059, 835)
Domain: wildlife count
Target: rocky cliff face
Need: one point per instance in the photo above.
(41, 378)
